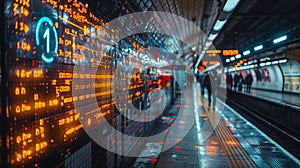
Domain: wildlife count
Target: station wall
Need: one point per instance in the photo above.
(283, 77)
(291, 73)
(268, 78)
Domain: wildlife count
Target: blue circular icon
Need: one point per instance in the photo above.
(45, 30)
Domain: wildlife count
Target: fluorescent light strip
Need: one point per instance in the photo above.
(230, 5)
(227, 60)
(219, 25)
(246, 52)
(238, 56)
(208, 43)
(232, 58)
(282, 61)
(268, 63)
(260, 47)
(212, 36)
(280, 39)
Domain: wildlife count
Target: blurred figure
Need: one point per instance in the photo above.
(202, 82)
(212, 83)
(240, 83)
(198, 78)
(229, 81)
(199, 82)
(236, 80)
(248, 81)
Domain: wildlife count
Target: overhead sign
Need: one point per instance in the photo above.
(230, 52)
(210, 63)
(213, 53)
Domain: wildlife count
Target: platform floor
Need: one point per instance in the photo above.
(191, 151)
(235, 142)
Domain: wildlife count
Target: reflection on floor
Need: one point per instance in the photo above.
(190, 151)
(248, 144)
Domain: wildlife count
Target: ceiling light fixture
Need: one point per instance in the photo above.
(212, 36)
(257, 48)
(238, 56)
(262, 64)
(280, 39)
(219, 25)
(230, 5)
(283, 61)
(246, 52)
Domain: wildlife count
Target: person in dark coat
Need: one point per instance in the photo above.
(202, 78)
(248, 81)
(240, 83)
(236, 80)
(212, 83)
(229, 81)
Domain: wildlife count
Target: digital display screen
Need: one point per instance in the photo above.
(45, 39)
(230, 52)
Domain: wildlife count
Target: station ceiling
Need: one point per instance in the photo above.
(254, 21)
(251, 22)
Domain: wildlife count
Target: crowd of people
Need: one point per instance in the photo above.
(238, 82)
(211, 81)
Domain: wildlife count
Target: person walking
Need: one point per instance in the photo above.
(212, 83)
(202, 80)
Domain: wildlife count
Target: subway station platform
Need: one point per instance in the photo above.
(233, 142)
(115, 83)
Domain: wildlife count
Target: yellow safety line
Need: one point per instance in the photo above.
(236, 154)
